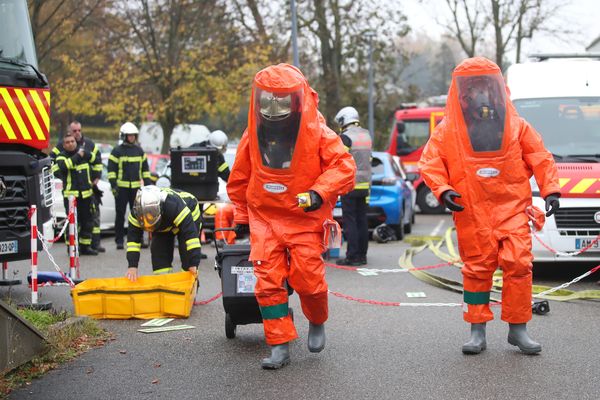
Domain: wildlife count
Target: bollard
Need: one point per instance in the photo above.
(35, 303)
(5, 281)
(72, 267)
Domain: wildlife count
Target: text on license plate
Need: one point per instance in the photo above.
(583, 243)
(9, 247)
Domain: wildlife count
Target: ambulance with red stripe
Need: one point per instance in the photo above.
(560, 96)
(25, 177)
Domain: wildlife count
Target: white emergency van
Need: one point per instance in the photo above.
(560, 96)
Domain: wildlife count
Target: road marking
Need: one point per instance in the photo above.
(437, 228)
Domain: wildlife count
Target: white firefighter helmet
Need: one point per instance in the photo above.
(147, 206)
(218, 139)
(346, 116)
(128, 128)
(383, 234)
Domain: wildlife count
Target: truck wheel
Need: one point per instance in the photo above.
(428, 203)
(230, 327)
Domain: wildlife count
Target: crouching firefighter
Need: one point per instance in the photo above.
(289, 170)
(166, 213)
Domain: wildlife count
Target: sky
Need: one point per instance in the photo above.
(581, 16)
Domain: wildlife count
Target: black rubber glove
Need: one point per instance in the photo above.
(552, 203)
(448, 198)
(241, 230)
(315, 201)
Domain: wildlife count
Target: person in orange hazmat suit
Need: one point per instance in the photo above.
(288, 172)
(478, 162)
(224, 219)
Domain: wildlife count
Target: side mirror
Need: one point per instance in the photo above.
(412, 176)
(400, 127)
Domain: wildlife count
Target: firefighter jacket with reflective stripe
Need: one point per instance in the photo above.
(92, 155)
(223, 168)
(75, 173)
(358, 142)
(179, 215)
(128, 166)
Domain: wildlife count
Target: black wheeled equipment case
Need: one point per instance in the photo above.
(195, 170)
(237, 282)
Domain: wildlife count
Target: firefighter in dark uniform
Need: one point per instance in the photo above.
(127, 167)
(74, 170)
(166, 213)
(94, 158)
(218, 139)
(354, 204)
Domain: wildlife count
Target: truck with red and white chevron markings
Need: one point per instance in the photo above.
(25, 175)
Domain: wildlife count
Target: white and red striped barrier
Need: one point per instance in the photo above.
(72, 264)
(34, 236)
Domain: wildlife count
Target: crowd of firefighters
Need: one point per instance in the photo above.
(289, 171)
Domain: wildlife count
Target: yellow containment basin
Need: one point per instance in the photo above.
(155, 296)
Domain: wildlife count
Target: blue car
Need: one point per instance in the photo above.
(391, 200)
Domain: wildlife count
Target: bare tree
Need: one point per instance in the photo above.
(534, 16)
(54, 22)
(336, 33)
(467, 23)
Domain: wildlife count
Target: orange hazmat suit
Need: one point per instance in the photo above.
(286, 150)
(224, 219)
(487, 153)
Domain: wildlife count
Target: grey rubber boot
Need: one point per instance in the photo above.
(280, 357)
(518, 336)
(476, 343)
(316, 338)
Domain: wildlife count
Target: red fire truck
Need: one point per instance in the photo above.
(411, 131)
(25, 177)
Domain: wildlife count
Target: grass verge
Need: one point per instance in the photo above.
(64, 344)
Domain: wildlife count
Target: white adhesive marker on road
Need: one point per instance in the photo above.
(437, 228)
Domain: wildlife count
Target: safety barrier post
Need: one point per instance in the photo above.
(5, 281)
(35, 303)
(72, 267)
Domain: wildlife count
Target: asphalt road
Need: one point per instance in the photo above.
(372, 352)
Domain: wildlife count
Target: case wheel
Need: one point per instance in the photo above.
(230, 327)
(540, 307)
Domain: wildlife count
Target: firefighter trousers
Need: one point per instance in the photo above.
(124, 197)
(85, 221)
(162, 247)
(356, 228)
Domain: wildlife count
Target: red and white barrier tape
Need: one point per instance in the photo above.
(562, 253)
(567, 284)
(62, 231)
(51, 258)
(375, 271)
(204, 302)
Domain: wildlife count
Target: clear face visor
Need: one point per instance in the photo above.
(482, 100)
(278, 118)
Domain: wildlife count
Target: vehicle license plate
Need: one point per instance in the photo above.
(583, 243)
(9, 247)
(337, 212)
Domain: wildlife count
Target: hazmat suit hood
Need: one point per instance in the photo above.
(282, 118)
(479, 108)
